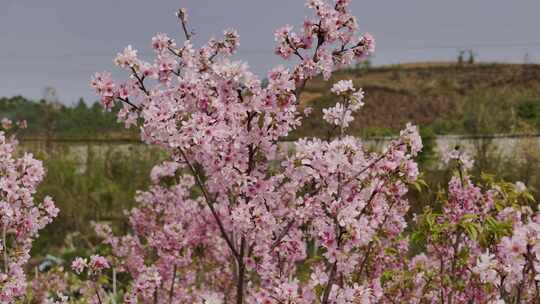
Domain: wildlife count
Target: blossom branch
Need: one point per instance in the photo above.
(209, 203)
(127, 101)
(5, 248)
(171, 290)
(182, 16)
(140, 81)
(283, 233)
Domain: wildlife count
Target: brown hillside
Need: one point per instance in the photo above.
(440, 95)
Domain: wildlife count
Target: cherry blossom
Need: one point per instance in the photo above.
(257, 215)
(21, 215)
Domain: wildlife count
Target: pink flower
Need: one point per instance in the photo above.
(161, 42)
(6, 123)
(338, 115)
(463, 158)
(104, 86)
(127, 58)
(21, 217)
(50, 208)
(366, 46)
(98, 263)
(343, 86)
(22, 124)
(78, 265)
(231, 41)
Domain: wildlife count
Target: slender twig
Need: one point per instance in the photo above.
(373, 163)
(342, 124)
(171, 291)
(368, 204)
(182, 16)
(302, 84)
(209, 203)
(454, 264)
(339, 233)
(282, 235)
(295, 49)
(96, 288)
(5, 249)
(140, 80)
(127, 101)
(329, 284)
(366, 258)
(251, 166)
(114, 284)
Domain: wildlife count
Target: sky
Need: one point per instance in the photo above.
(61, 43)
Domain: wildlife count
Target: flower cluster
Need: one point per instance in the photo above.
(511, 269)
(51, 286)
(333, 35)
(341, 114)
(462, 158)
(21, 216)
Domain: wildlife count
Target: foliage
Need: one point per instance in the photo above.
(57, 121)
(95, 184)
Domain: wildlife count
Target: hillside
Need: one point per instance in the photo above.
(444, 97)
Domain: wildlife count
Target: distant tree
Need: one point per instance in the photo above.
(81, 104)
(472, 56)
(461, 57)
(50, 95)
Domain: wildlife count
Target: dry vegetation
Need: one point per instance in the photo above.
(438, 95)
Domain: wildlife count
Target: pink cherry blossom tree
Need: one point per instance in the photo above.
(228, 216)
(21, 217)
(231, 219)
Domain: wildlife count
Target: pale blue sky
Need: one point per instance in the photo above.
(60, 43)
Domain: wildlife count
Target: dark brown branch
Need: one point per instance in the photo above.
(302, 84)
(210, 203)
(97, 293)
(126, 100)
(282, 235)
(140, 81)
(295, 49)
(183, 21)
(369, 166)
(241, 273)
(329, 284)
(171, 291)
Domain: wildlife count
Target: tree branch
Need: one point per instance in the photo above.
(127, 101)
(183, 21)
(210, 204)
(171, 291)
(282, 235)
